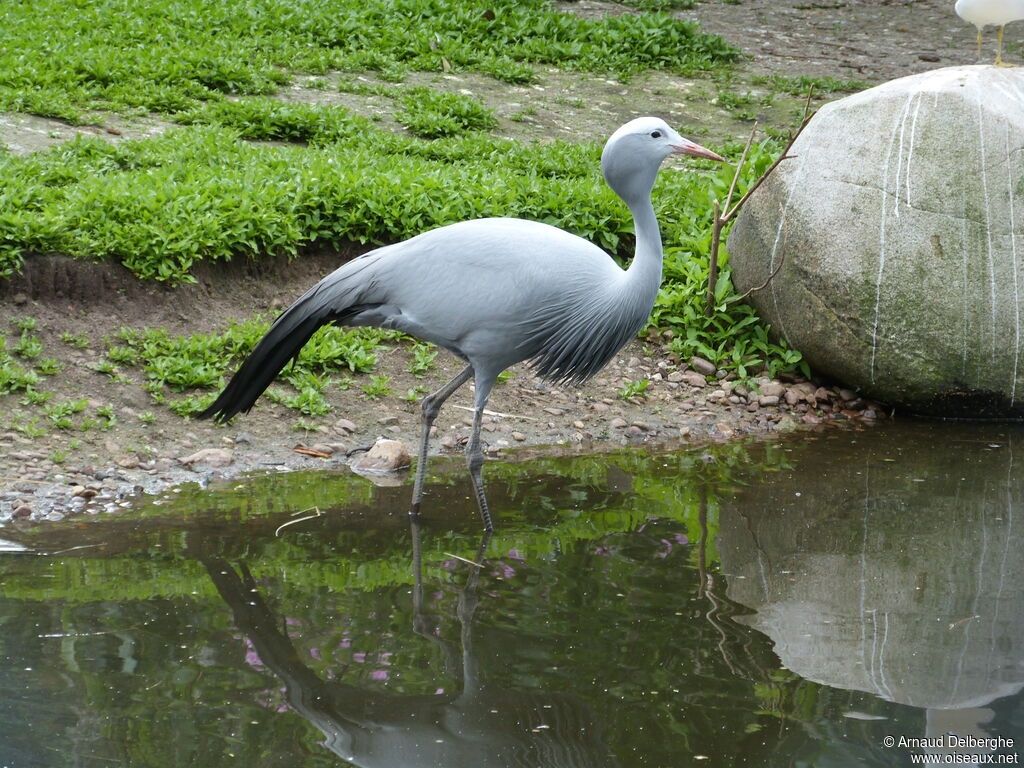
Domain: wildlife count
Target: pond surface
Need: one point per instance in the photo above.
(789, 603)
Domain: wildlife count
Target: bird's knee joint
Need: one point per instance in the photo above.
(430, 409)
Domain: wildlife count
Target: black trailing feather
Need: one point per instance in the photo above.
(329, 301)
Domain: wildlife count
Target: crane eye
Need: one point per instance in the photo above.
(655, 134)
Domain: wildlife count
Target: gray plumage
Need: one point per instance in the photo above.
(494, 292)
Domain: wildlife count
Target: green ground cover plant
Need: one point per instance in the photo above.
(72, 58)
(432, 114)
(160, 205)
(176, 364)
(214, 189)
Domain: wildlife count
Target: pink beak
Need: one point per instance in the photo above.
(696, 150)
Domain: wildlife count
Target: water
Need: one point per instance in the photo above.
(764, 604)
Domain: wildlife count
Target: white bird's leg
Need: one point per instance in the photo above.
(431, 405)
(474, 454)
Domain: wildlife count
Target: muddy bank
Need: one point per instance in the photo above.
(147, 448)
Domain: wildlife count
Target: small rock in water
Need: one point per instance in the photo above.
(212, 457)
(23, 511)
(385, 456)
(322, 448)
(618, 423)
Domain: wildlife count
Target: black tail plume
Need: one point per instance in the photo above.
(282, 343)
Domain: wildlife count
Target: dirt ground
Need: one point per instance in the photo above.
(63, 473)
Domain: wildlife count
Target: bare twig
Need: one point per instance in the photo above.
(739, 166)
(463, 559)
(762, 286)
(721, 219)
(496, 413)
(716, 236)
(716, 228)
(316, 513)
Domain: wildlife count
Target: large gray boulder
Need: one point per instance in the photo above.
(900, 228)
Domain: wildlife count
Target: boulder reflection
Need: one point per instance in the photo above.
(478, 726)
(898, 571)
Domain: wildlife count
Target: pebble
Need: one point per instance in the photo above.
(345, 426)
(323, 448)
(768, 400)
(792, 397)
(702, 366)
(211, 457)
(635, 431)
(388, 421)
(23, 511)
(675, 377)
(127, 461)
(694, 379)
(385, 456)
(618, 423)
(772, 388)
(518, 437)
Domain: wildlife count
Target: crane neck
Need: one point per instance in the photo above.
(644, 273)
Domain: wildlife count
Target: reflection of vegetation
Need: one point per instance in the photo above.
(543, 505)
(594, 586)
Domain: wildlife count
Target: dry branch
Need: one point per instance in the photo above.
(721, 219)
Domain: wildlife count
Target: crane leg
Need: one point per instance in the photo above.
(475, 455)
(431, 405)
(979, 45)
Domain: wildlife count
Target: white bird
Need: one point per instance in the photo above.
(494, 292)
(991, 13)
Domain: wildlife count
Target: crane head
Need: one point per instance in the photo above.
(634, 153)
